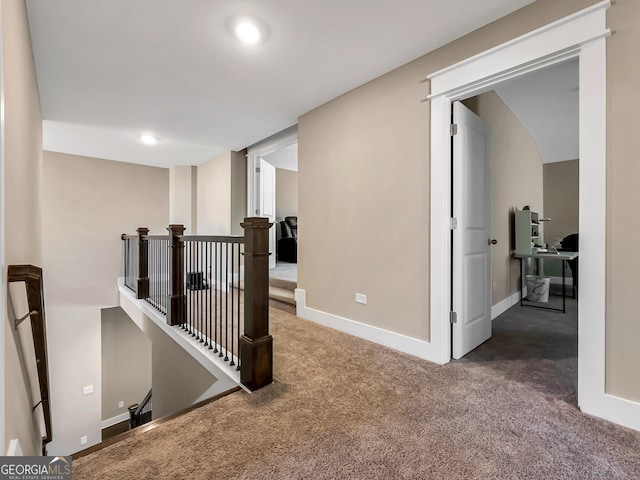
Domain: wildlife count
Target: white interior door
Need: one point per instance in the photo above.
(472, 235)
(268, 204)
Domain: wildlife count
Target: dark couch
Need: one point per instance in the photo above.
(287, 238)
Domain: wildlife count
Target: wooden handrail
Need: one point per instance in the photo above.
(32, 277)
(212, 238)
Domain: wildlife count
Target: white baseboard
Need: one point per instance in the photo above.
(615, 409)
(113, 420)
(14, 450)
(396, 341)
(504, 305)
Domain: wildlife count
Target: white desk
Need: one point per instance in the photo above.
(563, 256)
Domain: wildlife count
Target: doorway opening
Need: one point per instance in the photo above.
(531, 331)
(273, 193)
(580, 36)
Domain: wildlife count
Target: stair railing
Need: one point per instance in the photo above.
(199, 284)
(139, 414)
(32, 277)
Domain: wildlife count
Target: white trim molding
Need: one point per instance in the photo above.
(109, 422)
(14, 449)
(396, 341)
(583, 36)
(270, 145)
(504, 305)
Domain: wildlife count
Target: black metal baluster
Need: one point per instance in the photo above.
(152, 267)
(193, 319)
(220, 354)
(201, 287)
(239, 315)
(232, 298)
(187, 263)
(226, 304)
(215, 299)
(210, 292)
(194, 292)
(206, 303)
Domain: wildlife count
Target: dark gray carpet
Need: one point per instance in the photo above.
(536, 347)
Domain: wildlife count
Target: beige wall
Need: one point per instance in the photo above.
(623, 197)
(183, 197)
(561, 200)
(238, 191)
(178, 380)
(22, 161)
(88, 203)
(516, 181)
(141, 358)
(126, 363)
(214, 196)
(286, 193)
(364, 172)
(222, 194)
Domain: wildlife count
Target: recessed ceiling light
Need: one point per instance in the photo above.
(247, 31)
(148, 139)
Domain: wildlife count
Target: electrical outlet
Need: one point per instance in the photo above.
(83, 440)
(86, 390)
(121, 404)
(361, 298)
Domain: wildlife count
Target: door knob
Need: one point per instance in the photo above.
(492, 241)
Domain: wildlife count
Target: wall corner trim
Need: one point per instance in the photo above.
(14, 449)
(396, 341)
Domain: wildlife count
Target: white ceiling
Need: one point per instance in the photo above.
(285, 158)
(546, 103)
(109, 71)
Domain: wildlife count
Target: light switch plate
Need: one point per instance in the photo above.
(87, 389)
(83, 440)
(121, 404)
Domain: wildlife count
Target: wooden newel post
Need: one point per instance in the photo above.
(142, 290)
(256, 345)
(176, 306)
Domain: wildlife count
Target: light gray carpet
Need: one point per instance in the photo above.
(342, 407)
(285, 271)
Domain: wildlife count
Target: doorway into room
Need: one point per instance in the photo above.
(273, 193)
(522, 199)
(581, 36)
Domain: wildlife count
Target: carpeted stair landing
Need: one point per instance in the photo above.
(281, 294)
(345, 408)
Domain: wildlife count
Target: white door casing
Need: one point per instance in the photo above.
(268, 203)
(254, 195)
(581, 35)
(471, 250)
